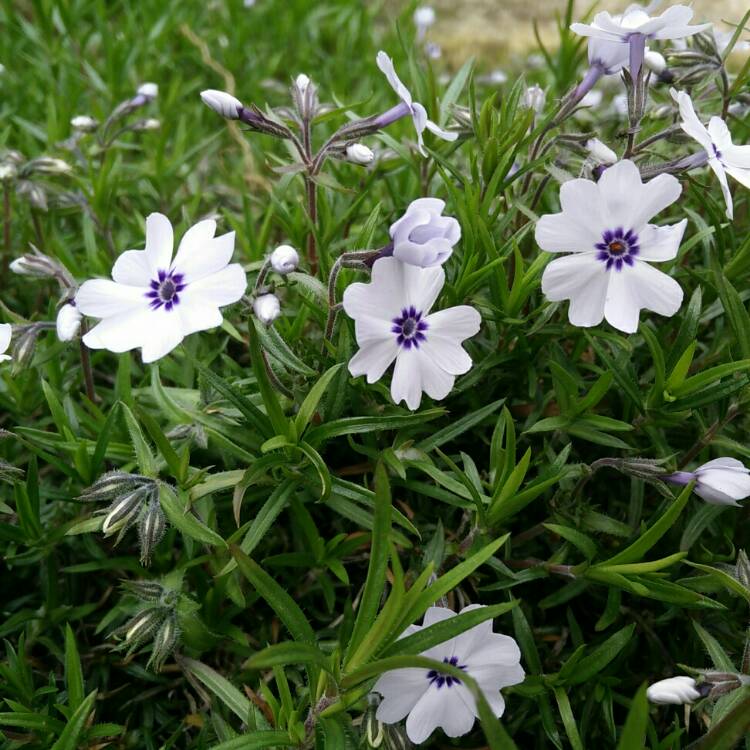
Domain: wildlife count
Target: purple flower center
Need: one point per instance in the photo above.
(439, 679)
(717, 153)
(617, 247)
(165, 289)
(409, 328)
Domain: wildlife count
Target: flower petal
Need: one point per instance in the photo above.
(720, 172)
(159, 243)
(639, 287)
(163, 334)
(691, 124)
(6, 331)
(446, 135)
(133, 268)
(582, 279)
(385, 64)
(660, 243)
(436, 708)
(101, 298)
(201, 254)
(401, 690)
(121, 333)
(225, 287)
(374, 358)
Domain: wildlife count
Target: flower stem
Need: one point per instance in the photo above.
(277, 384)
(719, 424)
(6, 228)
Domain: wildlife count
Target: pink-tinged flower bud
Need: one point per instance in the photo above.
(267, 308)
(675, 690)
(284, 259)
(423, 236)
(358, 153)
(222, 103)
(68, 322)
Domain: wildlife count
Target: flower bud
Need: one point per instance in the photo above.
(122, 512)
(48, 165)
(165, 641)
(8, 172)
(267, 308)
(34, 193)
(24, 347)
(655, 61)
(6, 333)
(147, 591)
(151, 529)
(675, 690)
(600, 152)
(150, 123)
(743, 568)
(41, 266)
(358, 153)
(534, 98)
(112, 484)
(305, 96)
(143, 625)
(423, 236)
(149, 91)
(424, 17)
(8, 472)
(84, 123)
(68, 321)
(284, 259)
(222, 103)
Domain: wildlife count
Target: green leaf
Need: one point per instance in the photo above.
(257, 741)
(73, 672)
(267, 392)
(184, 521)
(227, 693)
(597, 660)
(582, 542)
(730, 730)
(310, 404)
(569, 722)
(143, 455)
(459, 426)
(274, 344)
(71, 735)
(634, 732)
(283, 654)
(375, 581)
(359, 425)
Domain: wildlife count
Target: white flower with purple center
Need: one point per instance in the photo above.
(604, 225)
(6, 332)
(408, 106)
(723, 156)
(393, 322)
(432, 699)
(155, 300)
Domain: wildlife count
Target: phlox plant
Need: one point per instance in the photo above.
(357, 396)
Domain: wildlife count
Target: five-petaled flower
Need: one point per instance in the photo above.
(408, 106)
(722, 481)
(433, 699)
(154, 301)
(393, 322)
(6, 332)
(723, 156)
(423, 236)
(604, 225)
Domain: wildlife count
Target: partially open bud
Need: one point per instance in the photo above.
(267, 308)
(150, 123)
(358, 153)
(222, 103)
(68, 321)
(84, 123)
(284, 259)
(675, 690)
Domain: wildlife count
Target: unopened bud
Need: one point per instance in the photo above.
(147, 591)
(84, 123)
(655, 61)
(35, 195)
(143, 625)
(675, 690)
(434, 51)
(600, 152)
(305, 96)
(68, 322)
(148, 90)
(112, 484)
(151, 529)
(24, 347)
(8, 172)
(302, 82)
(165, 641)
(121, 513)
(150, 123)
(267, 308)
(743, 568)
(534, 98)
(358, 153)
(284, 259)
(222, 103)
(48, 165)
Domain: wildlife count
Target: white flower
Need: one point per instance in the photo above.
(423, 236)
(6, 331)
(68, 322)
(84, 123)
(534, 98)
(222, 103)
(148, 90)
(722, 481)
(284, 259)
(675, 690)
(358, 153)
(497, 76)
(600, 152)
(611, 57)
(416, 110)
(267, 308)
(432, 699)
(673, 23)
(424, 17)
(723, 156)
(655, 61)
(392, 322)
(604, 225)
(155, 300)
